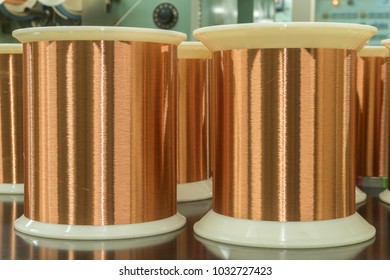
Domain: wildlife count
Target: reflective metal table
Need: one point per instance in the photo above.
(183, 244)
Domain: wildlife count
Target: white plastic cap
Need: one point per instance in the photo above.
(374, 51)
(51, 3)
(386, 43)
(193, 50)
(20, 9)
(88, 33)
(11, 48)
(285, 35)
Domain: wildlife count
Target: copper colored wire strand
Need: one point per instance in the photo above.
(11, 118)
(100, 132)
(371, 113)
(193, 139)
(284, 134)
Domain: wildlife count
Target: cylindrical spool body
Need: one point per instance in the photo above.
(100, 115)
(277, 132)
(285, 127)
(385, 195)
(371, 150)
(193, 156)
(11, 118)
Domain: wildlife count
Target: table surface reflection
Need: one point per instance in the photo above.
(183, 244)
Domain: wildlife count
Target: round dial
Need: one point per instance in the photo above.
(165, 16)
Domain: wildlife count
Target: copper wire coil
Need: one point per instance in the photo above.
(284, 133)
(11, 118)
(193, 122)
(100, 132)
(371, 116)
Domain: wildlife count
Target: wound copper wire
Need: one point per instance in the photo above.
(371, 116)
(284, 133)
(100, 132)
(193, 120)
(11, 118)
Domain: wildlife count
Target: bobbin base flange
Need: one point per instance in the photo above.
(94, 245)
(360, 196)
(107, 232)
(11, 188)
(13, 198)
(225, 251)
(195, 191)
(271, 234)
(385, 196)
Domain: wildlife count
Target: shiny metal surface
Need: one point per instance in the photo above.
(371, 150)
(11, 118)
(100, 133)
(192, 120)
(182, 244)
(284, 133)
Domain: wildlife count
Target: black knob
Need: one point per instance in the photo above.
(165, 16)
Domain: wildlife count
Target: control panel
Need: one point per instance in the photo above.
(373, 12)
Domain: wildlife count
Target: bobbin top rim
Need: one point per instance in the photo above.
(11, 48)
(373, 51)
(193, 50)
(386, 43)
(285, 35)
(105, 33)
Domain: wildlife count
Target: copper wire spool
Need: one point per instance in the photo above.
(11, 118)
(385, 195)
(193, 156)
(100, 133)
(371, 123)
(295, 141)
(284, 133)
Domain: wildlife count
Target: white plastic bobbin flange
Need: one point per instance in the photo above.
(233, 252)
(94, 245)
(360, 196)
(195, 191)
(273, 234)
(20, 10)
(11, 188)
(70, 9)
(385, 196)
(105, 232)
(73, 6)
(11, 198)
(11, 48)
(52, 3)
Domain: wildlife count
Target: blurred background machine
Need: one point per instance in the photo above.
(187, 15)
